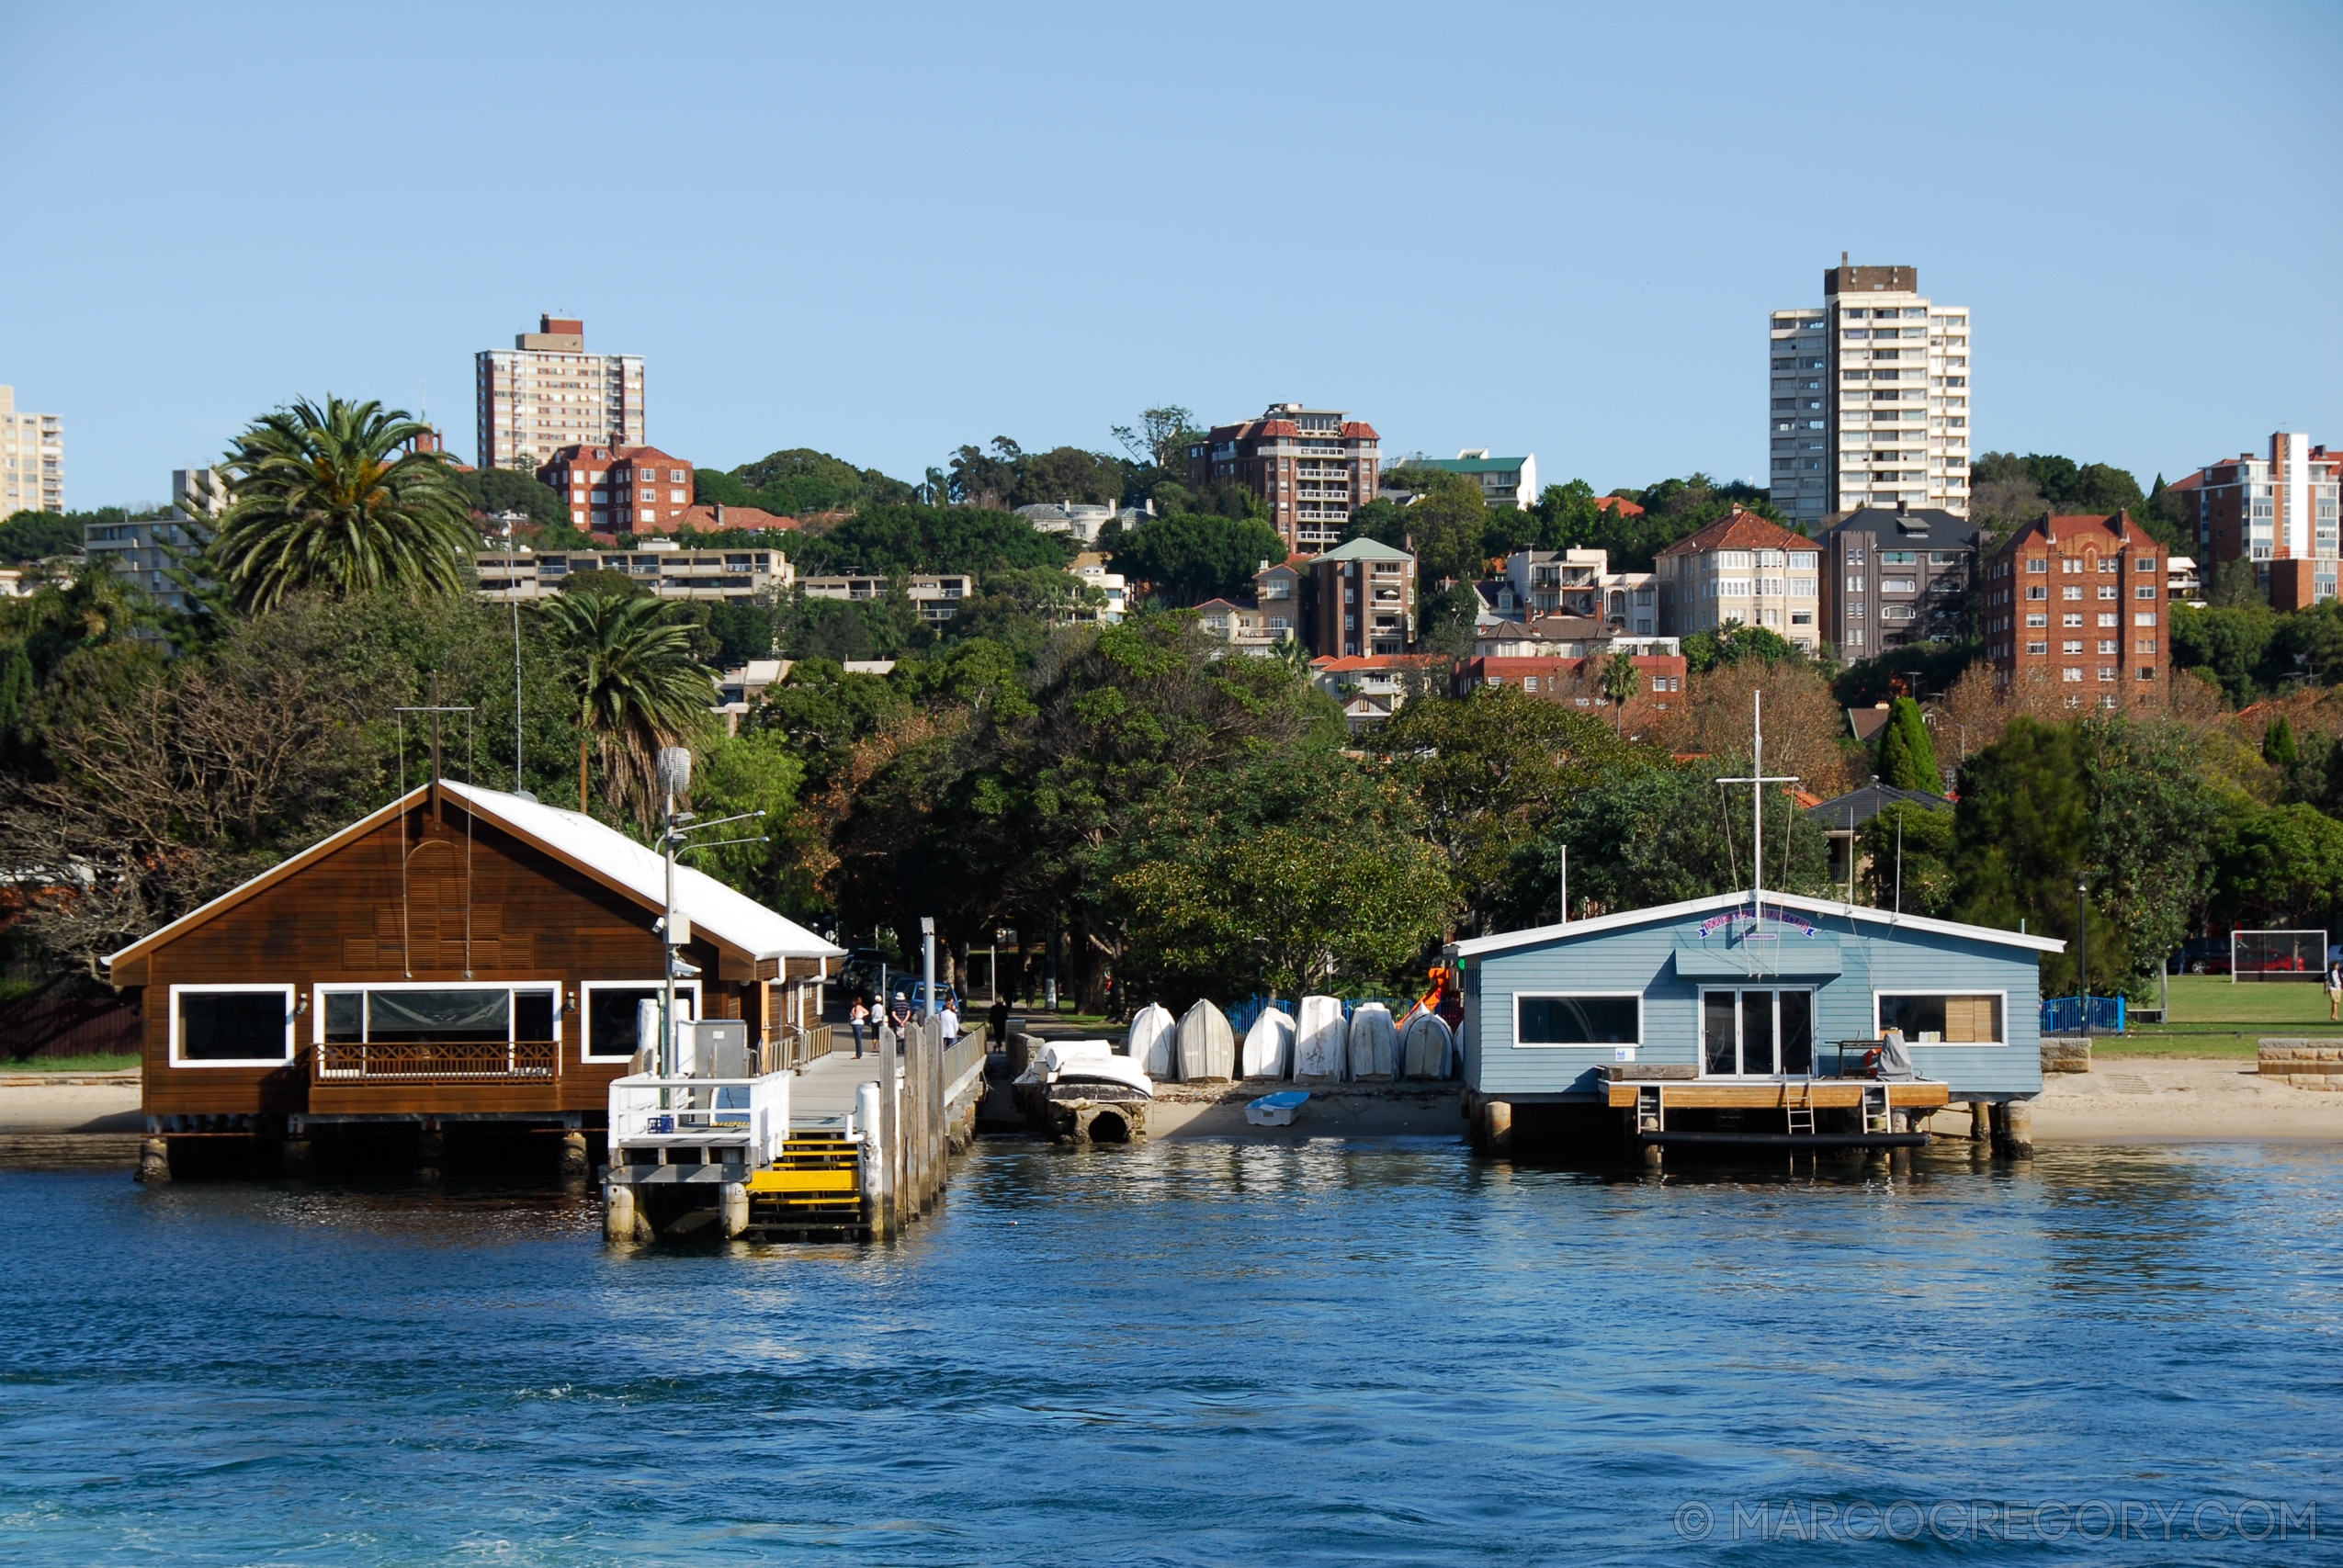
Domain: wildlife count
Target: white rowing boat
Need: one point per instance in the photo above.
(1375, 1044)
(1425, 1041)
(1208, 1046)
(1320, 1041)
(1269, 1045)
(1152, 1042)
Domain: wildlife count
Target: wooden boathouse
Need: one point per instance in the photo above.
(1747, 1018)
(462, 961)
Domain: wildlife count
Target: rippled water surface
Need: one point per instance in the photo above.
(1184, 1353)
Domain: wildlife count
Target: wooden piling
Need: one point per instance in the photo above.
(573, 1166)
(736, 1209)
(155, 1161)
(868, 1118)
(1980, 1120)
(293, 1157)
(2015, 1131)
(1497, 1126)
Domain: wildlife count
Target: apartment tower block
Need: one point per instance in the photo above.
(547, 392)
(1311, 465)
(32, 445)
(1870, 402)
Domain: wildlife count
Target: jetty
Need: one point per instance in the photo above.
(831, 1146)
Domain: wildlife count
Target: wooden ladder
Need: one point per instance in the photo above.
(1651, 1109)
(1799, 1114)
(1876, 1115)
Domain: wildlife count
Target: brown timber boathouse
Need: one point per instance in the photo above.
(463, 963)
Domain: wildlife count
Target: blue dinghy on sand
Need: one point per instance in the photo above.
(1277, 1109)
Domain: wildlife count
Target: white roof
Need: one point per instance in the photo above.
(706, 902)
(600, 851)
(1533, 935)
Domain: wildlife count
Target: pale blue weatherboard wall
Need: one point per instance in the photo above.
(1845, 966)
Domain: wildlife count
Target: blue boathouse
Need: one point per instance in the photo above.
(1749, 1017)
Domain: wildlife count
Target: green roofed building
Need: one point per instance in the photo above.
(1504, 481)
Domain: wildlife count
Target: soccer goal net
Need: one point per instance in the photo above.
(2277, 956)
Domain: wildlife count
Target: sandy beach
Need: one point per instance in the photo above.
(2168, 1099)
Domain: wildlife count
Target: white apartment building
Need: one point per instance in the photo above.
(1869, 398)
(661, 566)
(1741, 570)
(547, 392)
(1575, 583)
(33, 447)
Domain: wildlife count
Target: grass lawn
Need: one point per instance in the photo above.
(2213, 1016)
(68, 1064)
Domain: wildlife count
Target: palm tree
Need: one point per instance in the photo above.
(1620, 681)
(630, 670)
(324, 498)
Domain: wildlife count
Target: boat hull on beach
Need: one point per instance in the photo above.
(1152, 1043)
(1425, 1042)
(1375, 1044)
(1208, 1046)
(1269, 1045)
(1320, 1041)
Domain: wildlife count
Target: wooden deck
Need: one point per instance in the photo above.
(1727, 1094)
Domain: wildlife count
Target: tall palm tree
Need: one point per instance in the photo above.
(325, 498)
(630, 669)
(1621, 682)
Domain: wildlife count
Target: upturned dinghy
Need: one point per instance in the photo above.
(1424, 1045)
(1085, 1061)
(1152, 1043)
(1207, 1045)
(1320, 1039)
(1375, 1044)
(1269, 1045)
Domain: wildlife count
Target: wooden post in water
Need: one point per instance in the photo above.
(617, 1212)
(1980, 1120)
(2016, 1139)
(736, 1209)
(890, 1126)
(1497, 1126)
(155, 1161)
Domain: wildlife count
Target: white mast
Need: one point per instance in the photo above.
(1757, 781)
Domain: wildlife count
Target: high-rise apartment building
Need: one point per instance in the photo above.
(547, 392)
(2279, 512)
(2079, 604)
(1870, 402)
(1312, 465)
(32, 445)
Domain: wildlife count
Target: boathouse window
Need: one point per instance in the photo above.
(1585, 1019)
(404, 1015)
(611, 1009)
(1931, 1018)
(1756, 1033)
(232, 1026)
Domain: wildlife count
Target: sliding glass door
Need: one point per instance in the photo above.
(1756, 1033)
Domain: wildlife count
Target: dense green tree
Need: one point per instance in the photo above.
(2225, 644)
(1704, 651)
(326, 498)
(39, 536)
(2280, 868)
(626, 665)
(1489, 770)
(755, 770)
(885, 538)
(2278, 747)
(2022, 841)
(1621, 682)
(2236, 586)
(821, 712)
(1927, 668)
(492, 491)
(801, 483)
(1907, 753)
(16, 687)
(1907, 853)
(1339, 894)
(1446, 532)
(1189, 557)
(1161, 438)
(2155, 814)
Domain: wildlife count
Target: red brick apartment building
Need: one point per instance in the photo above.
(1312, 465)
(621, 489)
(2277, 511)
(1577, 683)
(2079, 602)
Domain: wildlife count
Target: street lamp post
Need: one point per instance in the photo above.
(2083, 948)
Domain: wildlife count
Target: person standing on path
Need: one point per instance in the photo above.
(949, 1017)
(2334, 991)
(858, 1016)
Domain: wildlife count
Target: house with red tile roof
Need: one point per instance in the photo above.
(1741, 569)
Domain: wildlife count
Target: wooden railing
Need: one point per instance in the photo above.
(439, 1061)
(795, 1047)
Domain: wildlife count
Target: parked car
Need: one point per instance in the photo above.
(2201, 955)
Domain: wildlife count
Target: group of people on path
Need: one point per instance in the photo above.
(900, 1014)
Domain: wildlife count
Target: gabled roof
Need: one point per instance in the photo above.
(1618, 503)
(1663, 912)
(2114, 529)
(731, 919)
(1364, 548)
(1860, 806)
(1740, 530)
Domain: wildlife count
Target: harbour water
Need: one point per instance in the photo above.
(1198, 1353)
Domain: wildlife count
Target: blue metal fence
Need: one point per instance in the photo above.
(2064, 1015)
(1243, 1015)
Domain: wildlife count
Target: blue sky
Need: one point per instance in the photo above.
(885, 230)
